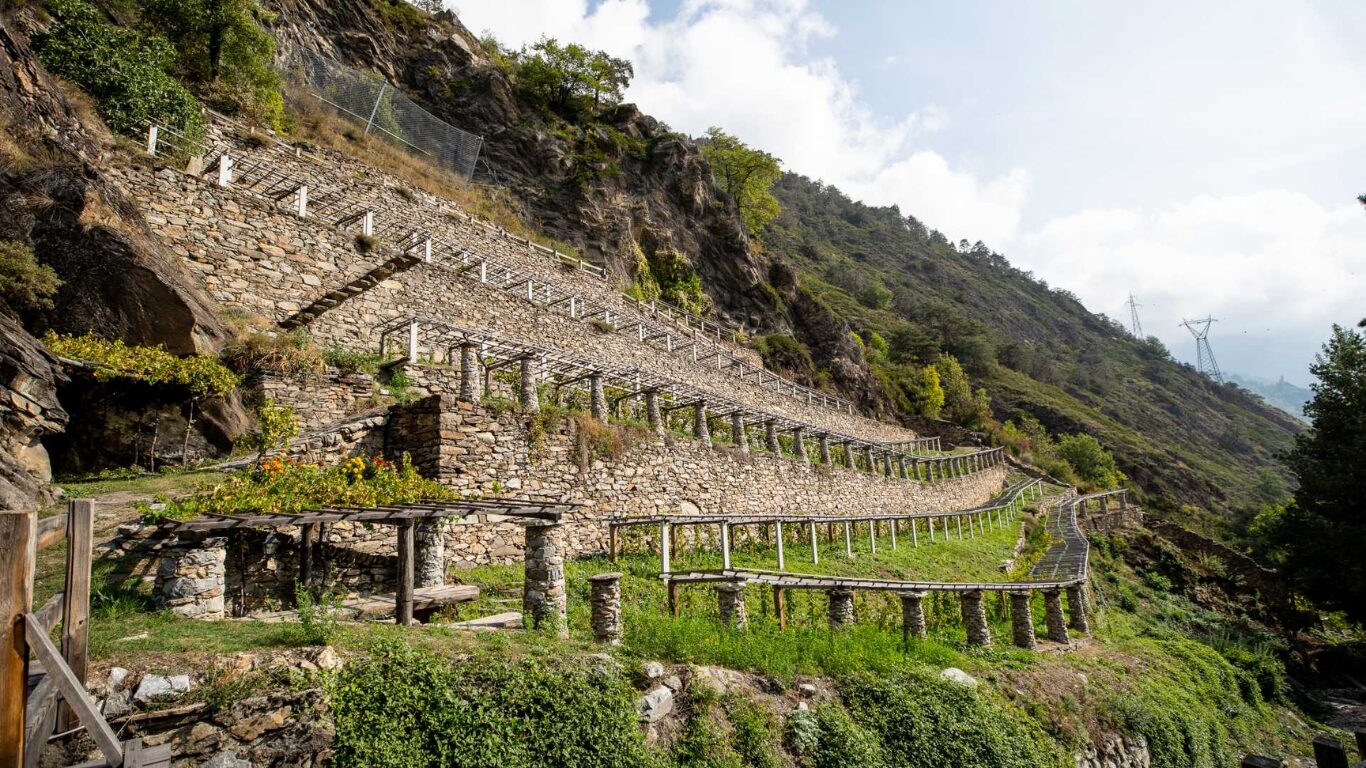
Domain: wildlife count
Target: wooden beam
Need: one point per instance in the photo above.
(41, 719)
(403, 599)
(51, 611)
(18, 539)
(51, 530)
(73, 691)
(80, 536)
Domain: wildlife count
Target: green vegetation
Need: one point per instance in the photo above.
(275, 427)
(570, 80)
(746, 174)
(126, 71)
(283, 485)
(202, 375)
(24, 283)
(1319, 535)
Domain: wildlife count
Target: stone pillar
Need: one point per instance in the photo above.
(192, 578)
(606, 607)
(737, 432)
(700, 430)
(1053, 616)
(849, 455)
(597, 398)
(841, 607)
(887, 464)
(975, 618)
(544, 603)
(912, 614)
(799, 442)
(1076, 609)
(730, 602)
(901, 467)
(825, 449)
(868, 457)
(469, 377)
(429, 568)
(1021, 619)
(531, 401)
(771, 437)
(652, 412)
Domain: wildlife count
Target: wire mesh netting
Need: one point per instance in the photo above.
(367, 98)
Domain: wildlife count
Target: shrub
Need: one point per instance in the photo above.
(290, 353)
(275, 426)
(317, 615)
(204, 376)
(125, 70)
(24, 283)
(1093, 464)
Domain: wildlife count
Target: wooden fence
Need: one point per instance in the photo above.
(42, 685)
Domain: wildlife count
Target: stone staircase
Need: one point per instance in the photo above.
(357, 286)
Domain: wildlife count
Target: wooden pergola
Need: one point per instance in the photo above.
(403, 517)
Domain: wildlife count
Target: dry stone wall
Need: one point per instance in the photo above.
(319, 399)
(474, 448)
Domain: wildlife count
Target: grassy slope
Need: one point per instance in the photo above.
(1182, 438)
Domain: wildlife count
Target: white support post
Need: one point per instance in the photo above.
(931, 530)
(725, 546)
(848, 543)
(872, 536)
(224, 170)
(367, 224)
(815, 555)
(915, 534)
(427, 251)
(573, 308)
(778, 535)
(301, 202)
(483, 271)
(664, 547)
(412, 341)
(152, 132)
(892, 522)
(530, 290)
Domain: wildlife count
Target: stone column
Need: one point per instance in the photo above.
(912, 614)
(825, 449)
(700, 430)
(901, 467)
(868, 457)
(799, 442)
(597, 398)
(652, 412)
(469, 382)
(730, 602)
(192, 578)
(544, 603)
(849, 455)
(975, 618)
(737, 432)
(771, 437)
(887, 464)
(841, 607)
(606, 607)
(1053, 616)
(531, 402)
(1021, 619)
(1076, 609)
(430, 566)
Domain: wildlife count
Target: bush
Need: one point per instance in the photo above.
(292, 354)
(317, 615)
(24, 283)
(1093, 464)
(125, 70)
(204, 376)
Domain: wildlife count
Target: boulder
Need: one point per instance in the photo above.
(954, 674)
(656, 704)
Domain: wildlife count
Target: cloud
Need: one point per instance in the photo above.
(1272, 265)
(747, 66)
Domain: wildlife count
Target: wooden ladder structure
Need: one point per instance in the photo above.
(42, 686)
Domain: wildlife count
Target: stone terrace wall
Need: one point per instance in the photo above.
(473, 448)
(320, 399)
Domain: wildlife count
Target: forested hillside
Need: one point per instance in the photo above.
(1037, 351)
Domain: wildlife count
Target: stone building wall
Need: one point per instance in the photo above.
(271, 264)
(474, 448)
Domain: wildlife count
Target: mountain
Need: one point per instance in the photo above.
(623, 189)
(1281, 393)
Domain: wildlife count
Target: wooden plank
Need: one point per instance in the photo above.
(51, 611)
(80, 537)
(41, 719)
(51, 530)
(403, 600)
(72, 690)
(18, 540)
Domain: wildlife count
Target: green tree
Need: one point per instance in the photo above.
(959, 405)
(571, 79)
(875, 296)
(24, 283)
(1094, 465)
(223, 46)
(746, 174)
(1321, 533)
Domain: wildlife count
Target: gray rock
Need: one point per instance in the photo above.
(807, 689)
(652, 670)
(226, 759)
(655, 705)
(117, 704)
(160, 686)
(957, 675)
(117, 676)
(673, 683)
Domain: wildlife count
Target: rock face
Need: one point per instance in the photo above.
(1119, 752)
(28, 410)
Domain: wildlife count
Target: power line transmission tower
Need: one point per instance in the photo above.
(1204, 354)
(1134, 324)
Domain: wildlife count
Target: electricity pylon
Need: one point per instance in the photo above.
(1134, 325)
(1204, 354)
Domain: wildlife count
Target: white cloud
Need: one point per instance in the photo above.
(746, 66)
(1271, 265)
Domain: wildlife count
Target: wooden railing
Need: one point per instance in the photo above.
(57, 700)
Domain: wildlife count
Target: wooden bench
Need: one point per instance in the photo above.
(426, 601)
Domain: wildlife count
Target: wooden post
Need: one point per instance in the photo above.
(612, 541)
(306, 537)
(915, 534)
(673, 598)
(80, 535)
(780, 608)
(892, 523)
(848, 544)
(18, 540)
(1328, 752)
(872, 536)
(403, 598)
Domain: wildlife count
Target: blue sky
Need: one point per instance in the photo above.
(1203, 155)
